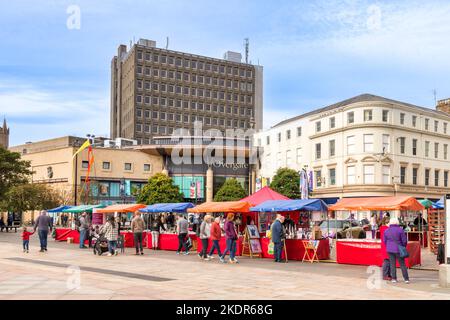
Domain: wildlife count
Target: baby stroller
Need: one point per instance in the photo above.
(100, 244)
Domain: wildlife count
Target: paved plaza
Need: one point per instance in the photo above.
(66, 272)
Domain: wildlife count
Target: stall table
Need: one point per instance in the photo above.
(222, 245)
(368, 253)
(129, 238)
(62, 234)
(295, 249)
(168, 241)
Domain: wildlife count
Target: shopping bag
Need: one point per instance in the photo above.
(270, 248)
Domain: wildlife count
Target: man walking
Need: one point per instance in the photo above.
(278, 235)
(182, 231)
(43, 224)
(84, 229)
(137, 227)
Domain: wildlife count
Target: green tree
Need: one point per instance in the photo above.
(287, 182)
(231, 190)
(160, 189)
(13, 170)
(30, 197)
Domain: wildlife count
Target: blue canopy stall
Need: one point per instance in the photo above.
(291, 205)
(168, 207)
(439, 204)
(59, 209)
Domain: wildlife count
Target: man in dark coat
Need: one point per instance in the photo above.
(278, 235)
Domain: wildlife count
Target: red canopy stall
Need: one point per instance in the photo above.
(368, 251)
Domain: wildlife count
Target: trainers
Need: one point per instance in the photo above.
(27, 251)
(109, 254)
(394, 281)
(207, 259)
(235, 260)
(186, 253)
(407, 281)
(42, 250)
(142, 253)
(116, 253)
(200, 256)
(211, 257)
(222, 260)
(178, 252)
(24, 250)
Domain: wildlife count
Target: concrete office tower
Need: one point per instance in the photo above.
(155, 91)
(4, 135)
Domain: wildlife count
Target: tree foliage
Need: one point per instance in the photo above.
(13, 170)
(287, 182)
(160, 189)
(29, 196)
(231, 190)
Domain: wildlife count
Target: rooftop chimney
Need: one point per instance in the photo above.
(444, 106)
(233, 56)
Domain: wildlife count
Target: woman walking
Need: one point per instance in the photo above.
(395, 238)
(205, 231)
(215, 235)
(111, 231)
(231, 236)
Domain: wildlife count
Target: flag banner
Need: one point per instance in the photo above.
(86, 144)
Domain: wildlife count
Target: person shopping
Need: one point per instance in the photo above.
(278, 235)
(137, 227)
(231, 236)
(205, 232)
(215, 235)
(111, 231)
(182, 231)
(394, 237)
(155, 228)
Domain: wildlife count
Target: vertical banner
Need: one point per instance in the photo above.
(199, 189)
(258, 184)
(97, 218)
(192, 192)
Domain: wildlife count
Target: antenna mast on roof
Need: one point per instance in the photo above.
(247, 45)
(167, 43)
(435, 97)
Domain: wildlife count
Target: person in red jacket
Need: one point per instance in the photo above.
(26, 239)
(215, 235)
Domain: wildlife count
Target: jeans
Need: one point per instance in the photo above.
(155, 239)
(26, 245)
(182, 242)
(277, 250)
(231, 248)
(82, 237)
(386, 267)
(205, 243)
(138, 241)
(112, 244)
(392, 261)
(215, 245)
(43, 234)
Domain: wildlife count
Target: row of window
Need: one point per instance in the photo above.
(127, 166)
(194, 64)
(208, 81)
(178, 103)
(415, 173)
(196, 106)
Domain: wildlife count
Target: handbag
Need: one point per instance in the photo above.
(403, 252)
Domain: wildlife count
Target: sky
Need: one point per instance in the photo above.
(55, 68)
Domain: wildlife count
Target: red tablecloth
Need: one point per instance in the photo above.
(295, 249)
(369, 253)
(129, 239)
(63, 233)
(414, 236)
(168, 241)
(222, 244)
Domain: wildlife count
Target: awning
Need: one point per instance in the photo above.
(378, 203)
(122, 208)
(167, 207)
(439, 204)
(291, 205)
(426, 203)
(263, 195)
(83, 208)
(226, 206)
(59, 209)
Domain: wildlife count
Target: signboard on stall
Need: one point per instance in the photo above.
(97, 218)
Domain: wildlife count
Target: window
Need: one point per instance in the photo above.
(385, 115)
(427, 124)
(288, 157)
(332, 148)
(85, 164)
(414, 147)
(414, 121)
(445, 127)
(436, 150)
(414, 175)
(446, 179)
(106, 165)
(351, 175)
(436, 126)
(278, 159)
(288, 134)
(318, 175)
(318, 126)
(299, 155)
(427, 148)
(427, 177)
(369, 174)
(386, 171)
(350, 117)
(367, 115)
(445, 151)
(318, 151)
(402, 145)
(332, 122)
(436, 178)
(350, 145)
(368, 143)
(127, 166)
(402, 175)
(332, 176)
(386, 143)
(279, 137)
(299, 131)
(402, 118)
(268, 140)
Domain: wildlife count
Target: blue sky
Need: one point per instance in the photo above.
(55, 81)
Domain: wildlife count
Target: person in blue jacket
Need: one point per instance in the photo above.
(278, 235)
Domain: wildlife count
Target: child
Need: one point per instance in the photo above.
(26, 239)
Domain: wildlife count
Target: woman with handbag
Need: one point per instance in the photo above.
(396, 241)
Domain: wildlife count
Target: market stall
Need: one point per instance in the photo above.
(301, 213)
(216, 208)
(168, 240)
(54, 214)
(436, 225)
(368, 251)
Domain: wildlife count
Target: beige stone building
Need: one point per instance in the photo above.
(155, 91)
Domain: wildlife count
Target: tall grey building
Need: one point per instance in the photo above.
(155, 91)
